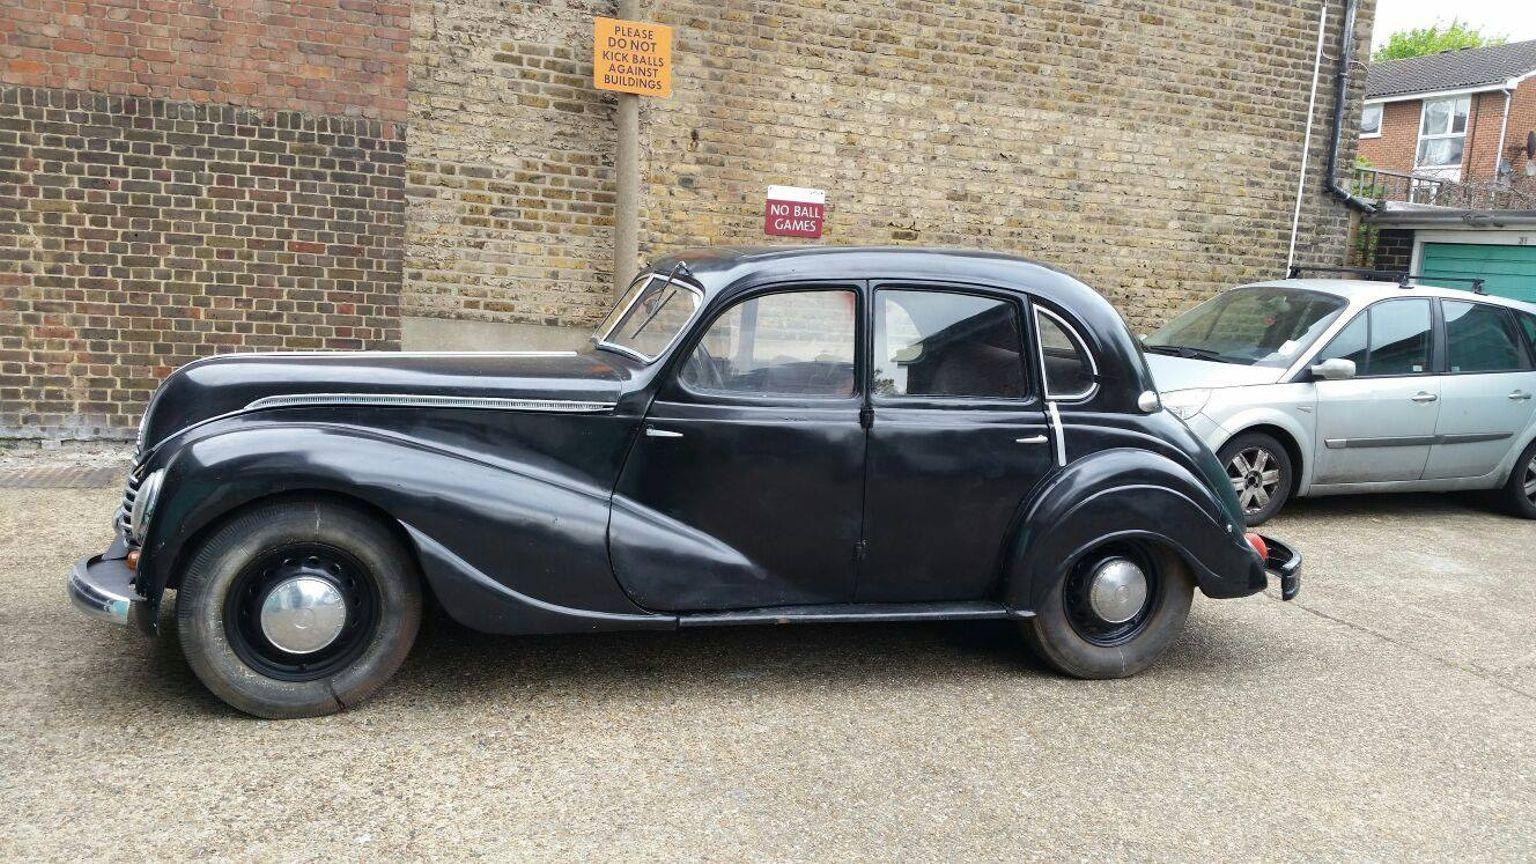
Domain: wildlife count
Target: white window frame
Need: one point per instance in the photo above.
(1445, 135)
(1381, 116)
(1076, 337)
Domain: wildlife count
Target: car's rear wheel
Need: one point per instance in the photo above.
(298, 609)
(1260, 471)
(1113, 613)
(1520, 491)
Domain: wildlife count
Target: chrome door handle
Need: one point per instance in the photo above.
(1422, 397)
(653, 432)
(1033, 439)
(1519, 396)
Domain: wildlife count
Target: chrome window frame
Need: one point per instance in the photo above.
(601, 341)
(1076, 336)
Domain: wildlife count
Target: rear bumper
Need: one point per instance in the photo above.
(103, 588)
(1284, 563)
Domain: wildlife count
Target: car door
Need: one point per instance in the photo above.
(958, 437)
(1379, 426)
(1486, 392)
(744, 487)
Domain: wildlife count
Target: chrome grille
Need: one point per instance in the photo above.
(130, 491)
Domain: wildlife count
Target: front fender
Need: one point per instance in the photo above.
(530, 528)
(1125, 494)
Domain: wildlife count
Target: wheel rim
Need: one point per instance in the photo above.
(1110, 595)
(301, 612)
(1530, 480)
(1255, 476)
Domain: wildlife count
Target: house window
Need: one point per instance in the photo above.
(1370, 121)
(1443, 132)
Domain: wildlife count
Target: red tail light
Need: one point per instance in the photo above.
(1258, 545)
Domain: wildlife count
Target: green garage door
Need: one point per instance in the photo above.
(1510, 270)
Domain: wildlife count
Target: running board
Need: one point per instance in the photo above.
(841, 613)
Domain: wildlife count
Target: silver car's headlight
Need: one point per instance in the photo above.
(1186, 403)
(144, 505)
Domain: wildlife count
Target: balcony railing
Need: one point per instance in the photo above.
(1382, 186)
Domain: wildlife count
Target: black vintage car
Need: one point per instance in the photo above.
(808, 435)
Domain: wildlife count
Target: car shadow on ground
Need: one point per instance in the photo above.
(453, 665)
(1396, 504)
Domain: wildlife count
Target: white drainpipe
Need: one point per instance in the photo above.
(1306, 143)
(1498, 156)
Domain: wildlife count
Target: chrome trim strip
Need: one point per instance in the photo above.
(1093, 363)
(1415, 440)
(408, 400)
(698, 307)
(1060, 436)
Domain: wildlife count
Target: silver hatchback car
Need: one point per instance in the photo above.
(1329, 386)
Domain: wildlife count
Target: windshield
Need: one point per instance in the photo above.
(1254, 326)
(651, 315)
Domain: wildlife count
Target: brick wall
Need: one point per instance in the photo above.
(1149, 148)
(343, 57)
(1394, 149)
(185, 177)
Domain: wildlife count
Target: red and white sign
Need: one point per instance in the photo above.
(794, 212)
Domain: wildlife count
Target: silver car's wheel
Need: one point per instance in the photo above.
(1259, 469)
(1255, 476)
(1521, 490)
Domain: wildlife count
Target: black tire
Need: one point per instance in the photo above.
(1520, 491)
(1058, 637)
(219, 629)
(1261, 489)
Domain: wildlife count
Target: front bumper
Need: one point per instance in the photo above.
(1284, 563)
(102, 587)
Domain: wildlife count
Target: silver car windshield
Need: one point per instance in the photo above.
(1252, 326)
(650, 317)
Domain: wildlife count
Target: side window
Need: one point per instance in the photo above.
(792, 343)
(1399, 338)
(942, 343)
(1390, 338)
(1481, 338)
(1528, 324)
(1069, 371)
(1350, 343)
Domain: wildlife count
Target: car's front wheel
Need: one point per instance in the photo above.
(1113, 613)
(298, 609)
(1259, 469)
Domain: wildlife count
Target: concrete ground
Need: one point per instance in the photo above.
(1389, 714)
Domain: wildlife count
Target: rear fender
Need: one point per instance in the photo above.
(1126, 494)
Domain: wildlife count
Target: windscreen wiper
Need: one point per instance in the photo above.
(1189, 353)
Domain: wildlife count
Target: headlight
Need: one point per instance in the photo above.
(144, 505)
(1186, 403)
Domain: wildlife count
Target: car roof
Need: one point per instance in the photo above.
(1363, 291)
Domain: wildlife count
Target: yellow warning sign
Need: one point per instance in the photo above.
(632, 57)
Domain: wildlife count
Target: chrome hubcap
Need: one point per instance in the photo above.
(1117, 591)
(1255, 476)
(303, 615)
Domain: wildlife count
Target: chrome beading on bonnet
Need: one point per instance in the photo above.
(564, 406)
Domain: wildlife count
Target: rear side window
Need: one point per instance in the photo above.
(1068, 367)
(1390, 338)
(793, 343)
(1481, 338)
(943, 343)
(1528, 324)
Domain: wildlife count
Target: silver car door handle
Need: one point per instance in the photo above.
(1519, 396)
(653, 432)
(1033, 439)
(1421, 397)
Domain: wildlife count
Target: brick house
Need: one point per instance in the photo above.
(183, 177)
(1450, 139)
(1460, 115)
